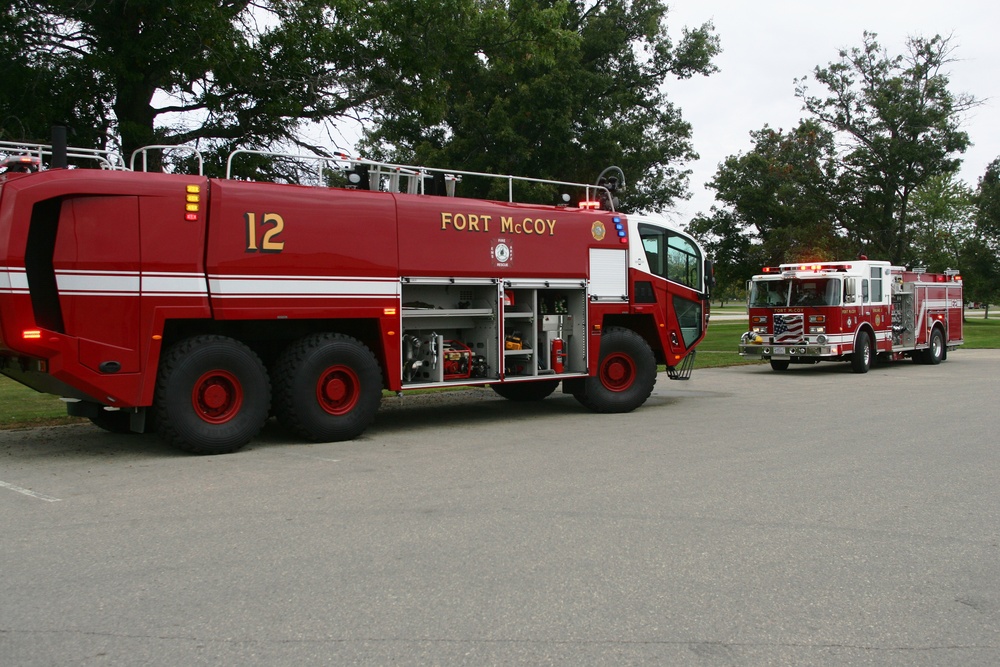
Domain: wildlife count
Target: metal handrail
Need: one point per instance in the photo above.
(107, 159)
(394, 172)
(166, 148)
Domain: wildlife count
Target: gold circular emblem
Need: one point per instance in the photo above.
(598, 230)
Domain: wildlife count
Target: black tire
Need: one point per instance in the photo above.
(626, 374)
(525, 392)
(212, 395)
(327, 387)
(934, 354)
(779, 364)
(117, 421)
(861, 360)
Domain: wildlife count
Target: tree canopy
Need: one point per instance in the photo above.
(554, 89)
(865, 170)
(562, 89)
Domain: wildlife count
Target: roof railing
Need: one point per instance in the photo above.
(392, 177)
(104, 158)
(381, 176)
(166, 149)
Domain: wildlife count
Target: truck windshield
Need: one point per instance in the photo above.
(765, 293)
(815, 292)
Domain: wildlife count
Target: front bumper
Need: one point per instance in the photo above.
(765, 351)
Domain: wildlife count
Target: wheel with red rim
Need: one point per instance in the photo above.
(626, 374)
(212, 395)
(217, 396)
(617, 372)
(327, 387)
(338, 390)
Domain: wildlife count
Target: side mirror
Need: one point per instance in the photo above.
(850, 290)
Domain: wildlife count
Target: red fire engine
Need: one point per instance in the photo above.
(852, 311)
(200, 306)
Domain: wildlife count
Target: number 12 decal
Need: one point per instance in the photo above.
(270, 226)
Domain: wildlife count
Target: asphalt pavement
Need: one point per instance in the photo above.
(744, 517)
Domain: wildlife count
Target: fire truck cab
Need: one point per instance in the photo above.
(852, 311)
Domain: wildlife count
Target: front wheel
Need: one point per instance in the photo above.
(779, 364)
(327, 387)
(212, 396)
(625, 376)
(861, 360)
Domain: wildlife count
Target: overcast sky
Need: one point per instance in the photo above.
(769, 43)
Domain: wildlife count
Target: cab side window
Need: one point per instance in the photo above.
(671, 256)
(876, 274)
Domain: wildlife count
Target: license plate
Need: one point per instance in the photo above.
(779, 349)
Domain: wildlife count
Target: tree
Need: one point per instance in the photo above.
(560, 89)
(900, 127)
(981, 252)
(737, 254)
(216, 72)
(942, 213)
(783, 194)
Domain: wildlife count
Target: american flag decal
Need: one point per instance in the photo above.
(787, 328)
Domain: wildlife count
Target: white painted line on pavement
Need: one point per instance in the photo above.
(29, 492)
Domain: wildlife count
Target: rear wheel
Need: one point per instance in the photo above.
(327, 387)
(935, 353)
(625, 376)
(212, 396)
(524, 392)
(861, 360)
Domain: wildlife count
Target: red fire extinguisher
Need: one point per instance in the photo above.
(558, 355)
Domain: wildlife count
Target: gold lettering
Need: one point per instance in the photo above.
(445, 220)
(552, 227)
(269, 244)
(486, 222)
(473, 222)
(526, 225)
(506, 224)
(459, 221)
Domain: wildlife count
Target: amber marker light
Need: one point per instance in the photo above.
(31, 334)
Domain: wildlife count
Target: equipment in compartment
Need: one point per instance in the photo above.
(457, 360)
(558, 355)
(421, 358)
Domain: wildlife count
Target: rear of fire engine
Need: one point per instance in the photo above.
(852, 311)
(200, 307)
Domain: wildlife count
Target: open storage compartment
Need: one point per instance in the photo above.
(450, 331)
(544, 328)
(481, 330)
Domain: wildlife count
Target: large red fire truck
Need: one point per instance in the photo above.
(200, 306)
(852, 311)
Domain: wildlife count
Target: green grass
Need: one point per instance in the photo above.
(21, 407)
(719, 347)
(981, 334)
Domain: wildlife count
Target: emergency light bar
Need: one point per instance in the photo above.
(806, 267)
(21, 163)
